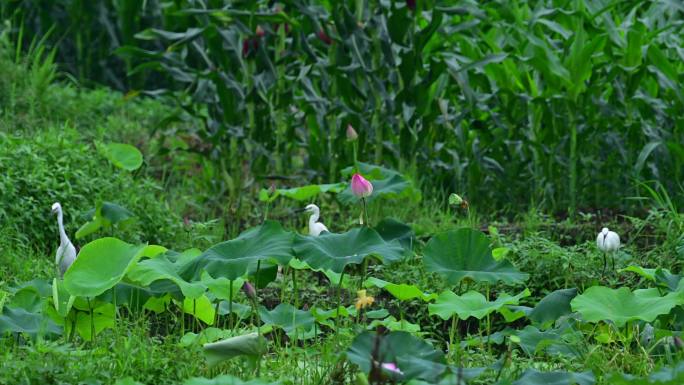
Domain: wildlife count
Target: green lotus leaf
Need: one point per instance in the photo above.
(600, 303)
(205, 336)
(292, 320)
(415, 358)
(19, 320)
(200, 308)
(471, 304)
(553, 341)
(402, 292)
(466, 253)
(100, 265)
(227, 380)
(103, 317)
(391, 229)
(241, 310)
(131, 295)
(336, 251)
(122, 155)
(232, 259)
(331, 275)
(302, 193)
(533, 377)
(667, 375)
(648, 274)
(553, 306)
(220, 287)
(167, 267)
(251, 345)
(392, 324)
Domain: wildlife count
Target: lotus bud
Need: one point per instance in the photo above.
(249, 290)
(260, 31)
(245, 47)
(411, 4)
(351, 133)
(324, 37)
(361, 187)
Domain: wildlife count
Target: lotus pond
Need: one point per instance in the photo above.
(353, 192)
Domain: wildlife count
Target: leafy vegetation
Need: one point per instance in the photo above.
(489, 144)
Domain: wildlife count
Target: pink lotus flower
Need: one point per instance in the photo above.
(391, 367)
(360, 186)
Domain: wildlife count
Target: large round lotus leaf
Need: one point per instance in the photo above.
(167, 267)
(335, 251)
(471, 304)
(600, 303)
(19, 320)
(414, 357)
(554, 305)
(232, 259)
(465, 253)
(533, 377)
(559, 341)
(289, 318)
(391, 229)
(100, 265)
(122, 155)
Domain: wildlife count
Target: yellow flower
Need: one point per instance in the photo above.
(363, 300)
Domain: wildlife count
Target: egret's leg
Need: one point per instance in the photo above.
(612, 257)
(603, 272)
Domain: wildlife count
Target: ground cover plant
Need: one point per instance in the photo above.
(341, 193)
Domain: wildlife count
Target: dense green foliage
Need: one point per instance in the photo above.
(555, 104)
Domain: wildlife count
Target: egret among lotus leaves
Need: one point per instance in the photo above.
(315, 227)
(608, 242)
(66, 253)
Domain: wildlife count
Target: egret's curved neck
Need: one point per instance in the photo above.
(314, 216)
(63, 239)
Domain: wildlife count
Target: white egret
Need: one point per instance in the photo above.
(66, 253)
(608, 242)
(315, 227)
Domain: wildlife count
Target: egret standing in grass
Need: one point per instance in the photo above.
(608, 242)
(315, 227)
(66, 253)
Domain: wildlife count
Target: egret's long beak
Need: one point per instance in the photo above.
(299, 210)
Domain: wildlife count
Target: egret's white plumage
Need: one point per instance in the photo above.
(315, 227)
(66, 252)
(608, 241)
